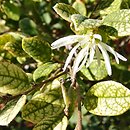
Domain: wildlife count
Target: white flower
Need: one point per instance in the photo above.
(86, 46)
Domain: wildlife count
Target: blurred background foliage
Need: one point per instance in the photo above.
(37, 17)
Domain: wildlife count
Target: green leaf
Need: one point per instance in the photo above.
(81, 25)
(110, 31)
(69, 96)
(107, 98)
(11, 10)
(37, 48)
(48, 123)
(5, 38)
(3, 27)
(120, 73)
(37, 0)
(28, 26)
(14, 46)
(12, 42)
(120, 20)
(43, 106)
(115, 5)
(104, 4)
(47, 18)
(55, 84)
(62, 125)
(30, 77)
(43, 71)
(125, 4)
(80, 7)
(107, 33)
(21, 60)
(11, 110)
(94, 72)
(13, 80)
(65, 11)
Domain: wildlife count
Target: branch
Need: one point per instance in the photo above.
(35, 86)
(79, 121)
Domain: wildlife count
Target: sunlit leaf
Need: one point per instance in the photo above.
(80, 7)
(115, 5)
(14, 46)
(13, 80)
(107, 98)
(48, 123)
(21, 60)
(37, 48)
(43, 71)
(37, 0)
(94, 72)
(62, 125)
(80, 24)
(5, 38)
(3, 27)
(11, 110)
(65, 11)
(120, 20)
(54, 85)
(15, 49)
(11, 10)
(43, 105)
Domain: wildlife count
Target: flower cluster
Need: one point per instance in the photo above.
(85, 49)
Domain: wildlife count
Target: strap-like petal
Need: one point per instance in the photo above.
(121, 57)
(108, 48)
(91, 56)
(106, 59)
(78, 60)
(69, 40)
(69, 58)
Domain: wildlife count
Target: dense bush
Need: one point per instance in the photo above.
(55, 68)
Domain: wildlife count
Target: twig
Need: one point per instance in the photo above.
(79, 121)
(35, 86)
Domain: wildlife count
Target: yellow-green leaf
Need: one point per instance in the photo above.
(43, 105)
(63, 124)
(13, 80)
(94, 72)
(120, 20)
(3, 27)
(43, 71)
(65, 11)
(107, 98)
(11, 10)
(14, 44)
(81, 25)
(48, 123)
(80, 7)
(115, 5)
(5, 38)
(11, 110)
(37, 48)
